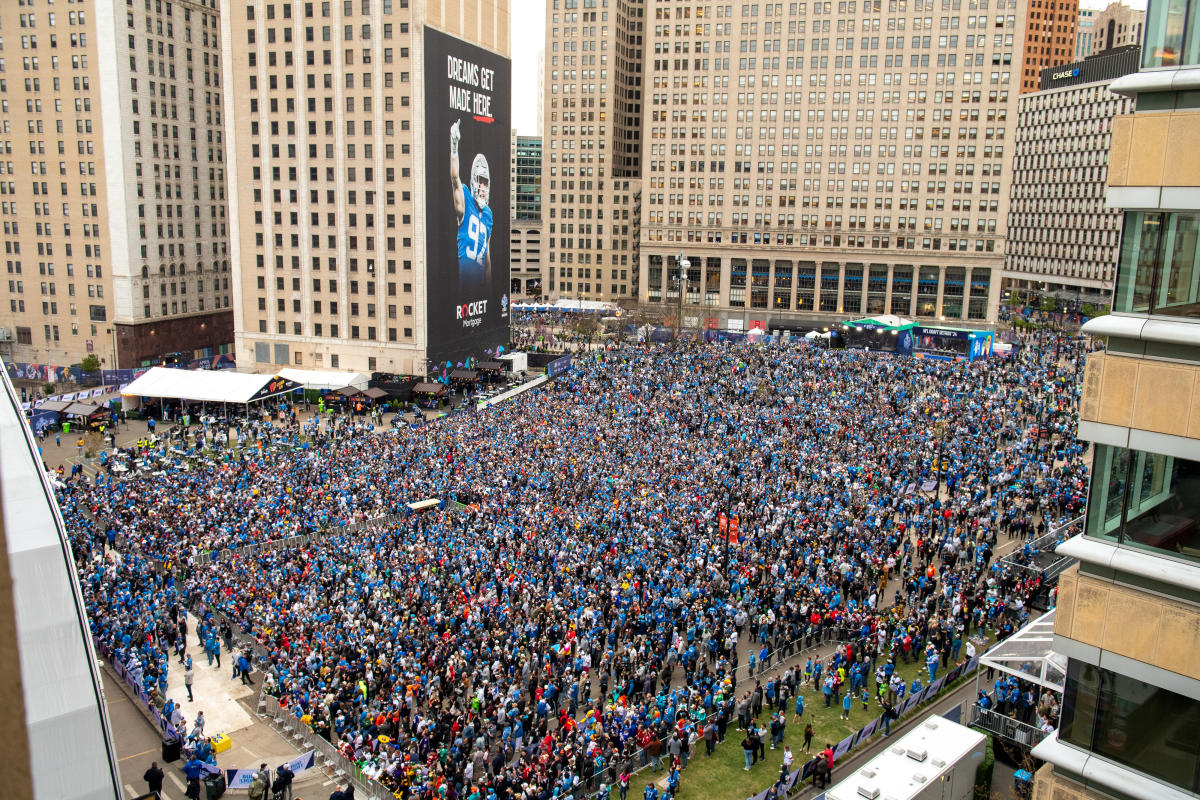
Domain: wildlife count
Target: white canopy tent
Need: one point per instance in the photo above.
(1027, 655)
(326, 380)
(204, 386)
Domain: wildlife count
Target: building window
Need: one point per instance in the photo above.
(1139, 725)
(1159, 267)
(1145, 500)
(1172, 34)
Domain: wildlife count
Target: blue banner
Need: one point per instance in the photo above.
(558, 366)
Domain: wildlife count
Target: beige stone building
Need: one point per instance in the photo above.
(1118, 25)
(112, 182)
(815, 161)
(1129, 614)
(327, 125)
(592, 147)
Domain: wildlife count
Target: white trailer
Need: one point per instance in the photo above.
(935, 761)
(517, 362)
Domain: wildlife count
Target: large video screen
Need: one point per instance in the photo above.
(467, 118)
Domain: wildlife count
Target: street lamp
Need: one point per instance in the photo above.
(684, 266)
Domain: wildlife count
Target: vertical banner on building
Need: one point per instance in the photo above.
(467, 147)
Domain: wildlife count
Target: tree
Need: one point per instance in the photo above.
(1049, 304)
(90, 363)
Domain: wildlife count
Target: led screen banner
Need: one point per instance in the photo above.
(467, 136)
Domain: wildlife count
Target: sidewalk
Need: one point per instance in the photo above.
(229, 707)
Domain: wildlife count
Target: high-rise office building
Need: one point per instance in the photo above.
(346, 122)
(527, 270)
(1050, 29)
(1084, 30)
(592, 147)
(113, 192)
(526, 178)
(819, 160)
(1062, 236)
(1117, 25)
(1129, 614)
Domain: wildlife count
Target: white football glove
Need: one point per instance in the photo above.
(455, 136)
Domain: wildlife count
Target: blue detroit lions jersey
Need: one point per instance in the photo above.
(474, 235)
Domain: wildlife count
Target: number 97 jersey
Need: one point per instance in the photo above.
(474, 237)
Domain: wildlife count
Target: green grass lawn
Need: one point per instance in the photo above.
(722, 777)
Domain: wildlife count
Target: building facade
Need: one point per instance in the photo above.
(526, 268)
(1050, 34)
(816, 161)
(526, 170)
(592, 147)
(1117, 25)
(115, 221)
(1084, 30)
(1062, 236)
(327, 125)
(1129, 614)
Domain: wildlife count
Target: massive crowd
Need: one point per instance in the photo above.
(581, 607)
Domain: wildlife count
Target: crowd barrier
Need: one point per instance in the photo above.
(303, 737)
(165, 728)
(1053, 565)
(874, 726)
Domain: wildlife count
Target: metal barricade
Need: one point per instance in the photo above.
(1006, 727)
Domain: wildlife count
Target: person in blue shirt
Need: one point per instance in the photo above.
(799, 707)
(473, 217)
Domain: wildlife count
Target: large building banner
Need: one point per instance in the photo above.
(467, 140)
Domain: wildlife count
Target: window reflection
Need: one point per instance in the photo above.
(1146, 500)
(1142, 726)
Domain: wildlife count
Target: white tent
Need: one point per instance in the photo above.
(206, 386)
(326, 380)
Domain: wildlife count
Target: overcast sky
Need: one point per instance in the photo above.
(528, 37)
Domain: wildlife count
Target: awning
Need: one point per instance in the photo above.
(209, 386)
(375, 393)
(349, 391)
(429, 388)
(54, 405)
(325, 380)
(490, 365)
(1028, 655)
(464, 375)
(82, 409)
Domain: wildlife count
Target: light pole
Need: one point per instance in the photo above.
(116, 357)
(684, 266)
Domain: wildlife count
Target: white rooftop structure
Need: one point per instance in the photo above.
(66, 730)
(938, 756)
(205, 386)
(1027, 654)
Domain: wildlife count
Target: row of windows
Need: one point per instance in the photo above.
(365, 8)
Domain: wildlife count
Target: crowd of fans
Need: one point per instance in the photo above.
(624, 555)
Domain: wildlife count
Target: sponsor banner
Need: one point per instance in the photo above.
(558, 366)
(242, 778)
(467, 151)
